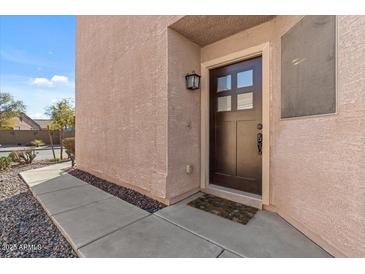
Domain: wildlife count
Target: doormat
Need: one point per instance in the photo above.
(233, 211)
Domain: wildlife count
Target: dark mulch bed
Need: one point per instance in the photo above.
(126, 194)
(224, 208)
(25, 228)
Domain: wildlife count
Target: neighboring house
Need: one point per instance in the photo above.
(25, 129)
(24, 122)
(278, 121)
(43, 123)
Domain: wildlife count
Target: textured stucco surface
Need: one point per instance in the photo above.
(131, 95)
(184, 116)
(317, 170)
(318, 164)
(207, 29)
(121, 100)
(133, 114)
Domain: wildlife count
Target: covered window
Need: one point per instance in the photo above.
(308, 67)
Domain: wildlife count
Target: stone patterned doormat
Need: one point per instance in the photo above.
(233, 211)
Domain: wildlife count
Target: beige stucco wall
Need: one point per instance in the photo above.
(317, 163)
(130, 94)
(184, 117)
(121, 100)
(323, 187)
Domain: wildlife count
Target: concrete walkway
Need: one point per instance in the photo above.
(98, 224)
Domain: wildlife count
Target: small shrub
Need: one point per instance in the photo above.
(5, 162)
(13, 156)
(55, 160)
(23, 156)
(37, 143)
(69, 144)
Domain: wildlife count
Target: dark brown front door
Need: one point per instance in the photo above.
(235, 125)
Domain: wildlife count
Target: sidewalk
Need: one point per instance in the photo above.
(98, 224)
(10, 148)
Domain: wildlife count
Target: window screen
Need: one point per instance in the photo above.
(308, 67)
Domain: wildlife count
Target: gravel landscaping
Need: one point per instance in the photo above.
(25, 228)
(126, 194)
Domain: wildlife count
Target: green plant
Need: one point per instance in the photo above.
(55, 160)
(62, 115)
(9, 108)
(37, 143)
(50, 136)
(5, 162)
(8, 124)
(69, 144)
(25, 156)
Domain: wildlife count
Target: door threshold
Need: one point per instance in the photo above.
(235, 195)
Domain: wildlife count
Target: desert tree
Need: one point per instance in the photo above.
(62, 115)
(9, 108)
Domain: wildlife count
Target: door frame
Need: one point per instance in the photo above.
(262, 50)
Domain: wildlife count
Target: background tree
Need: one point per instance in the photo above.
(8, 124)
(62, 114)
(9, 108)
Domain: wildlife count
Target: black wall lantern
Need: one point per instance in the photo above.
(192, 81)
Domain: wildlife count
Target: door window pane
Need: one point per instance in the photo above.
(224, 103)
(245, 101)
(245, 79)
(224, 83)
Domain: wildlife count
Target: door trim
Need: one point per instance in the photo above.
(262, 50)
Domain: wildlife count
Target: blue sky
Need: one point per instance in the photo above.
(37, 60)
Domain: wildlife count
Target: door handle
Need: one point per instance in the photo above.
(259, 143)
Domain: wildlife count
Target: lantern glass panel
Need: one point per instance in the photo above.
(196, 81)
(190, 81)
